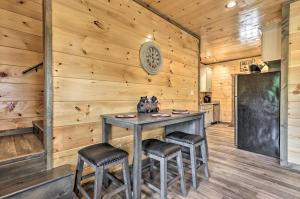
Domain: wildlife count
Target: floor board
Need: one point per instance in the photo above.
(237, 174)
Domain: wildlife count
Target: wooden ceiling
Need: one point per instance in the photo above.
(226, 34)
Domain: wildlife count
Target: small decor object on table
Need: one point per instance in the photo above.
(254, 68)
(148, 105)
(178, 111)
(151, 57)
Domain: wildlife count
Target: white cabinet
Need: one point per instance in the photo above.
(205, 79)
(271, 43)
(208, 109)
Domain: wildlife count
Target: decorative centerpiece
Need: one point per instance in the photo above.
(148, 105)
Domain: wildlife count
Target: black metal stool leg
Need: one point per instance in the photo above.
(127, 179)
(98, 182)
(193, 165)
(78, 175)
(181, 173)
(163, 178)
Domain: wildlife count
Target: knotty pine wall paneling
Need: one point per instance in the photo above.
(294, 85)
(21, 46)
(96, 70)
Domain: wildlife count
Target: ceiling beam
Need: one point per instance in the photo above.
(165, 17)
(229, 60)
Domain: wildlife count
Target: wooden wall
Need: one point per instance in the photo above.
(222, 85)
(21, 46)
(294, 86)
(96, 70)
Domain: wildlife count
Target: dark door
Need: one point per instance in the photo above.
(258, 104)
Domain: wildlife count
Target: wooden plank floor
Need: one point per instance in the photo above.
(16, 146)
(237, 174)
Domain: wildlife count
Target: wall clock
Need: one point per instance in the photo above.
(151, 57)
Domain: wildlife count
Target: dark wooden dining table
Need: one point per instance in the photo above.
(192, 123)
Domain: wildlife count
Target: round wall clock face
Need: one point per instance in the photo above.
(151, 57)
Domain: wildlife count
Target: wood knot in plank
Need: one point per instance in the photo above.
(25, 23)
(11, 106)
(3, 74)
(297, 91)
(99, 25)
(77, 108)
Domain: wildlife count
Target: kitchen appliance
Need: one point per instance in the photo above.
(257, 112)
(254, 68)
(216, 113)
(207, 99)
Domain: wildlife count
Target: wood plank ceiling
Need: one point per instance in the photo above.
(226, 33)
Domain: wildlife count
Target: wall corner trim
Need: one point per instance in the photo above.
(48, 85)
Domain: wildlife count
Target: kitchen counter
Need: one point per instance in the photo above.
(212, 112)
(211, 103)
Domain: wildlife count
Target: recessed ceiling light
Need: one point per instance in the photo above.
(231, 4)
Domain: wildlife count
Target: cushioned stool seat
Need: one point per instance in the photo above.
(185, 137)
(101, 157)
(102, 154)
(159, 148)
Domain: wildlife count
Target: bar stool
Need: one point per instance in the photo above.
(192, 141)
(101, 157)
(162, 152)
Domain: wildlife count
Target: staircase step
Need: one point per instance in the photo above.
(39, 124)
(22, 166)
(22, 158)
(55, 183)
(19, 146)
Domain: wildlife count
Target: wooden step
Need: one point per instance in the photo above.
(38, 124)
(19, 145)
(22, 166)
(20, 154)
(55, 183)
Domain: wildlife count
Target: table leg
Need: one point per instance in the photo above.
(203, 134)
(137, 162)
(106, 131)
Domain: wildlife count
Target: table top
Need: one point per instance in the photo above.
(145, 118)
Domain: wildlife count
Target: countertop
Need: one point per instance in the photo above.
(211, 103)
